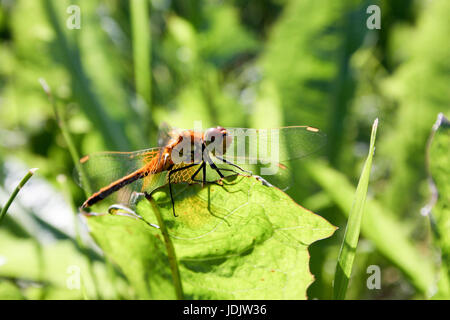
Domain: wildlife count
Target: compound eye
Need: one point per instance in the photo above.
(212, 134)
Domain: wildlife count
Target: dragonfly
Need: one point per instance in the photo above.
(194, 157)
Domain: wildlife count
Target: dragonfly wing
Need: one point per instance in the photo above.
(152, 182)
(101, 169)
(265, 146)
(157, 180)
(164, 134)
(183, 175)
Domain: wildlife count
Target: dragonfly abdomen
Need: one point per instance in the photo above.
(116, 185)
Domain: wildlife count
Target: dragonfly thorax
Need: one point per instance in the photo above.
(217, 140)
(192, 147)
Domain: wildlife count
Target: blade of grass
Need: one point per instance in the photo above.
(141, 48)
(15, 192)
(4, 210)
(67, 137)
(170, 250)
(141, 39)
(380, 226)
(348, 248)
(438, 212)
(87, 188)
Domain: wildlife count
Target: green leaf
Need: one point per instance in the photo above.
(139, 251)
(242, 240)
(350, 242)
(439, 167)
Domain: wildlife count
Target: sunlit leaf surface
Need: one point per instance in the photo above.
(242, 240)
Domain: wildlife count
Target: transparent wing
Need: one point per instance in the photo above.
(154, 181)
(164, 134)
(101, 169)
(265, 146)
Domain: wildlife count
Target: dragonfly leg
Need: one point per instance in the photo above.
(170, 184)
(203, 168)
(213, 165)
(234, 165)
(204, 181)
(259, 178)
(197, 171)
(204, 175)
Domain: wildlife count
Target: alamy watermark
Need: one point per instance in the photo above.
(73, 281)
(374, 280)
(74, 20)
(374, 20)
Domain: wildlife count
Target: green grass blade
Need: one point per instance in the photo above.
(380, 225)
(438, 210)
(350, 242)
(142, 42)
(15, 192)
(141, 48)
(170, 251)
(67, 137)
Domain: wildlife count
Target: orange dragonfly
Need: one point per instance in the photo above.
(194, 157)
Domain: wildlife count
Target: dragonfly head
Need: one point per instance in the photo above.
(217, 140)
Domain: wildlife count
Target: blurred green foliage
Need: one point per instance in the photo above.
(235, 63)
